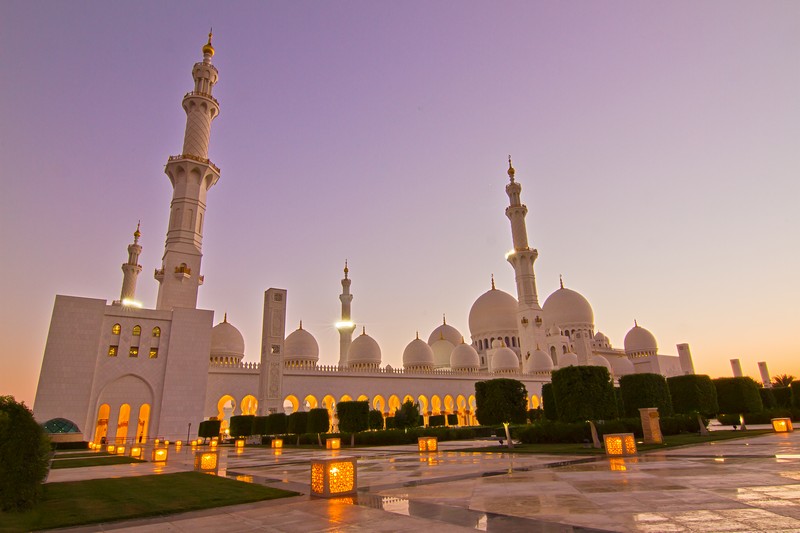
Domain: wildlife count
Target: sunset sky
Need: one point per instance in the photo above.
(657, 144)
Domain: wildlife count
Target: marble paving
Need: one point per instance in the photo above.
(748, 484)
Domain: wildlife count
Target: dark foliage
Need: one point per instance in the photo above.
(208, 429)
(584, 393)
(375, 419)
(645, 390)
(693, 393)
(353, 416)
(241, 426)
(277, 423)
(452, 419)
(783, 397)
(260, 426)
(24, 456)
(318, 421)
(407, 416)
(738, 395)
(795, 386)
(501, 400)
(549, 402)
(436, 421)
(767, 398)
(535, 414)
(297, 422)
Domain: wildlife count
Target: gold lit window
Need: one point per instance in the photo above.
(112, 351)
(137, 330)
(134, 351)
(153, 353)
(115, 329)
(156, 331)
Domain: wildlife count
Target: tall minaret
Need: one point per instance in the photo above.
(191, 174)
(345, 326)
(131, 269)
(522, 257)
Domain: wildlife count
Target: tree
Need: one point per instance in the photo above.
(297, 422)
(693, 393)
(407, 416)
(24, 456)
(375, 419)
(738, 395)
(241, 426)
(782, 380)
(318, 422)
(549, 402)
(353, 417)
(501, 401)
(208, 429)
(645, 390)
(584, 393)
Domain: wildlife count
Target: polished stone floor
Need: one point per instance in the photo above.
(750, 484)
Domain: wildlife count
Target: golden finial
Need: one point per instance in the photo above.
(363, 330)
(493, 288)
(346, 270)
(225, 318)
(511, 170)
(561, 280)
(441, 335)
(635, 324)
(462, 339)
(417, 335)
(137, 233)
(444, 319)
(301, 325)
(207, 48)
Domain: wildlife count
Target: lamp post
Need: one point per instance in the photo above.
(188, 431)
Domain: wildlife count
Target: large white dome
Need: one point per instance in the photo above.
(226, 340)
(639, 341)
(494, 311)
(441, 353)
(301, 346)
(566, 306)
(567, 359)
(505, 360)
(464, 357)
(418, 355)
(447, 332)
(599, 360)
(364, 351)
(539, 361)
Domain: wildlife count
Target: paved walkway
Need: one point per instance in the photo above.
(750, 484)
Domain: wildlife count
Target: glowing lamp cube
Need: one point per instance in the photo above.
(166, 443)
(178, 443)
(120, 450)
(240, 443)
(620, 444)
(428, 444)
(136, 452)
(782, 425)
(277, 443)
(157, 441)
(333, 444)
(194, 442)
(205, 461)
(160, 455)
(214, 443)
(332, 477)
(111, 448)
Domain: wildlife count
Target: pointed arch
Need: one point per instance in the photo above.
(394, 404)
(291, 404)
(379, 403)
(249, 405)
(310, 402)
(436, 405)
(101, 425)
(363, 398)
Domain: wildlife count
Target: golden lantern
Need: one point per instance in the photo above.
(120, 450)
(333, 477)
(136, 452)
(214, 443)
(157, 441)
(333, 444)
(111, 448)
(166, 443)
(782, 425)
(239, 444)
(428, 444)
(160, 455)
(205, 461)
(620, 444)
(277, 443)
(178, 443)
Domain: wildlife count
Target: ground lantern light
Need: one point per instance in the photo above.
(239, 444)
(428, 444)
(332, 477)
(333, 444)
(111, 448)
(121, 450)
(160, 455)
(136, 452)
(277, 443)
(206, 461)
(620, 444)
(782, 425)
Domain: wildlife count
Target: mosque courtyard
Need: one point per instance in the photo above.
(748, 484)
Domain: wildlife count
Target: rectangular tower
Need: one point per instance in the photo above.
(270, 399)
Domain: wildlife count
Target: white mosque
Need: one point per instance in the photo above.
(120, 371)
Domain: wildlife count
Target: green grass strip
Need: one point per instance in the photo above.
(104, 500)
(94, 461)
(77, 455)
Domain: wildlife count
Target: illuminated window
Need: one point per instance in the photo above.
(112, 351)
(134, 351)
(137, 330)
(153, 353)
(115, 329)
(156, 331)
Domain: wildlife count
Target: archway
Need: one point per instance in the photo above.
(346, 398)
(378, 403)
(363, 398)
(436, 405)
(310, 402)
(143, 423)
(122, 422)
(329, 403)
(424, 408)
(225, 408)
(394, 404)
(291, 404)
(461, 404)
(249, 405)
(473, 405)
(535, 403)
(101, 426)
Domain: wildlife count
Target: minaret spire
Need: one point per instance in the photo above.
(191, 174)
(345, 326)
(131, 269)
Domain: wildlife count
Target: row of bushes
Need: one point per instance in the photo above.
(388, 437)
(552, 432)
(764, 417)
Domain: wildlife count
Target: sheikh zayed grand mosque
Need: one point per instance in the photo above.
(118, 370)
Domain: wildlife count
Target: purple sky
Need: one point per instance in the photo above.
(657, 145)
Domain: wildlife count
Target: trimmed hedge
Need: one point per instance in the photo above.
(584, 393)
(738, 395)
(535, 414)
(693, 393)
(764, 417)
(277, 423)
(435, 421)
(208, 429)
(241, 426)
(549, 402)
(795, 388)
(260, 426)
(645, 390)
(500, 400)
(407, 416)
(767, 398)
(318, 421)
(548, 432)
(297, 422)
(783, 397)
(452, 419)
(375, 419)
(24, 456)
(353, 416)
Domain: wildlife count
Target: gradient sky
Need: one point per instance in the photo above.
(657, 144)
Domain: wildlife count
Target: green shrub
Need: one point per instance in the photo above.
(353, 416)
(375, 419)
(208, 429)
(260, 426)
(584, 393)
(501, 400)
(783, 397)
(738, 395)
(549, 402)
(693, 393)
(297, 422)
(318, 421)
(452, 419)
(24, 456)
(407, 416)
(767, 398)
(795, 387)
(535, 414)
(390, 423)
(436, 420)
(766, 416)
(618, 399)
(241, 426)
(549, 432)
(277, 423)
(645, 390)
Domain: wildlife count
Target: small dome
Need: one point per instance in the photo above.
(447, 332)
(497, 343)
(464, 357)
(364, 351)
(599, 360)
(600, 337)
(539, 361)
(623, 366)
(505, 360)
(207, 48)
(639, 341)
(226, 340)
(418, 355)
(566, 306)
(301, 345)
(494, 311)
(441, 353)
(554, 331)
(567, 359)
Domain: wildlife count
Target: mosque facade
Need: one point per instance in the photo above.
(120, 371)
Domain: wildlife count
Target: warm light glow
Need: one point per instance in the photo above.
(620, 444)
(346, 324)
(240, 443)
(782, 425)
(205, 461)
(111, 448)
(277, 443)
(136, 451)
(332, 477)
(194, 442)
(160, 455)
(618, 465)
(131, 303)
(178, 443)
(333, 444)
(157, 441)
(510, 253)
(428, 444)
(214, 443)
(120, 450)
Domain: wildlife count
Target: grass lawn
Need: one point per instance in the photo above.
(670, 441)
(104, 500)
(93, 461)
(75, 455)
